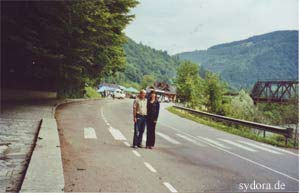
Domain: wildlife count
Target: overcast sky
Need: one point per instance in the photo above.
(186, 25)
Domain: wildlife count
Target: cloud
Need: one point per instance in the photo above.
(185, 25)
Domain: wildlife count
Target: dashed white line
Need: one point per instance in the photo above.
(101, 111)
(260, 147)
(189, 139)
(239, 156)
(238, 145)
(116, 134)
(166, 137)
(126, 143)
(170, 187)
(136, 153)
(213, 142)
(89, 133)
(107, 124)
(278, 149)
(150, 167)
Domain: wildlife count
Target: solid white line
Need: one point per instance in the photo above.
(136, 153)
(213, 142)
(170, 187)
(116, 134)
(259, 147)
(126, 143)
(166, 137)
(238, 145)
(237, 155)
(89, 133)
(149, 166)
(279, 149)
(189, 139)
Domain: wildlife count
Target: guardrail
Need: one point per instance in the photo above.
(286, 132)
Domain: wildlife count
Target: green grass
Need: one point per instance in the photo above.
(275, 139)
(92, 93)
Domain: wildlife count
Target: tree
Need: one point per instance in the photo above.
(243, 107)
(148, 80)
(69, 43)
(214, 90)
(189, 84)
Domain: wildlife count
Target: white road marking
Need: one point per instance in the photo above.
(259, 147)
(126, 143)
(101, 111)
(278, 149)
(116, 134)
(237, 155)
(166, 137)
(189, 139)
(89, 133)
(136, 153)
(150, 167)
(213, 142)
(238, 145)
(107, 124)
(170, 187)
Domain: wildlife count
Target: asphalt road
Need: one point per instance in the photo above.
(188, 157)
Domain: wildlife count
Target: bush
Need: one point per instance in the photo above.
(91, 93)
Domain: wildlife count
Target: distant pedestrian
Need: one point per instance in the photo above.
(152, 116)
(139, 118)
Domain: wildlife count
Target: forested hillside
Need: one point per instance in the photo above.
(241, 63)
(143, 60)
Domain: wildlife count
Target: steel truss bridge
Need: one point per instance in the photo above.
(275, 91)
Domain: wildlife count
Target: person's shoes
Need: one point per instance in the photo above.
(151, 147)
(134, 147)
(147, 147)
(140, 146)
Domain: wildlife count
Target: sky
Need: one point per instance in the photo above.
(187, 25)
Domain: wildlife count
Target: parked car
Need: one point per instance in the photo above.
(166, 99)
(119, 94)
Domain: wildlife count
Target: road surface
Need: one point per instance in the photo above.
(188, 157)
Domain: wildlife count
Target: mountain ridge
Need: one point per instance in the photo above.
(272, 55)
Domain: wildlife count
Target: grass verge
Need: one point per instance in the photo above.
(274, 139)
(92, 93)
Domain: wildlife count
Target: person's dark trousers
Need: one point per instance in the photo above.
(139, 128)
(150, 133)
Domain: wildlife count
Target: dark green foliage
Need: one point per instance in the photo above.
(214, 90)
(143, 60)
(148, 80)
(189, 84)
(63, 44)
(242, 63)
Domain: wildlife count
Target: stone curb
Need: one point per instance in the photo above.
(45, 170)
